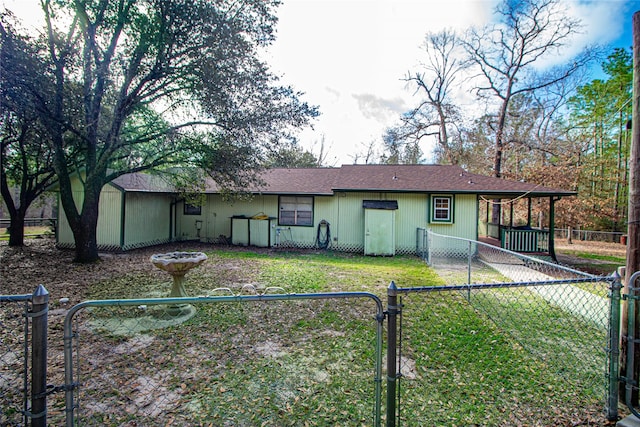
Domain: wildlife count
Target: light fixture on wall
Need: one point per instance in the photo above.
(198, 227)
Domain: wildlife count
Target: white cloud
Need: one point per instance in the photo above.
(374, 107)
(350, 56)
(361, 50)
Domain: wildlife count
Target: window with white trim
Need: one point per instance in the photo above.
(442, 209)
(295, 210)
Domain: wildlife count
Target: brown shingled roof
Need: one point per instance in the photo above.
(300, 181)
(397, 178)
(143, 182)
(388, 178)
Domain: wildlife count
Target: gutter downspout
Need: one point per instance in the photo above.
(172, 218)
(123, 216)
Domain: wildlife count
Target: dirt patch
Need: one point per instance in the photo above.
(569, 255)
(40, 262)
(597, 248)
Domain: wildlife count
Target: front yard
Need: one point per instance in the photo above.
(297, 363)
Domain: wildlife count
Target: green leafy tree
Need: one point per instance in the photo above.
(116, 67)
(290, 155)
(600, 111)
(26, 161)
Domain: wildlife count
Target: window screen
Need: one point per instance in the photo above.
(296, 210)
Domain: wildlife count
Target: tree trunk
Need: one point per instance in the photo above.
(85, 234)
(85, 239)
(83, 224)
(16, 228)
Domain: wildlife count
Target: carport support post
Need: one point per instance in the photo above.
(40, 308)
(392, 343)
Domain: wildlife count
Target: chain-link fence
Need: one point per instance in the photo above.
(511, 339)
(23, 358)
(244, 360)
(502, 339)
(590, 235)
(14, 325)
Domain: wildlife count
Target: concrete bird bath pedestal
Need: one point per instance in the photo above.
(177, 264)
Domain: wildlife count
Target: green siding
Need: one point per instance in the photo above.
(186, 225)
(343, 211)
(64, 235)
(216, 217)
(125, 221)
(147, 220)
(465, 223)
(109, 218)
(411, 215)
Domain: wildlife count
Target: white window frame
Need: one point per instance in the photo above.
(295, 211)
(438, 207)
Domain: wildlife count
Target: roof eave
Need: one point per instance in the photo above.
(501, 193)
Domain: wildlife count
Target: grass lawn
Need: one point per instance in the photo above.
(311, 362)
(601, 258)
(29, 232)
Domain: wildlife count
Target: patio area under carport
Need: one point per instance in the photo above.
(523, 223)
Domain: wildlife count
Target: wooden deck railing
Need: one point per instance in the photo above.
(525, 240)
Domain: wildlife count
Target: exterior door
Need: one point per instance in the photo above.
(379, 233)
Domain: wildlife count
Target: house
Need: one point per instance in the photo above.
(370, 209)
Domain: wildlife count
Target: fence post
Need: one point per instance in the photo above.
(392, 343)
(469, 262)
(39, 316)
(613, 396)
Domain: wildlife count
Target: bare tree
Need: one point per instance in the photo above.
(323, 151)
(510, 54)
(441, 70)
(368, 153)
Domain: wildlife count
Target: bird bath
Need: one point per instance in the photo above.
(177, 264)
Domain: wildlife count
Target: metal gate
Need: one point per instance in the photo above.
(268, 359)
(23, 358)
(522, 340)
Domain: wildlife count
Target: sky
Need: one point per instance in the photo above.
(349, 57)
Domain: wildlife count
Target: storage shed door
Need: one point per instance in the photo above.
(379, 233)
